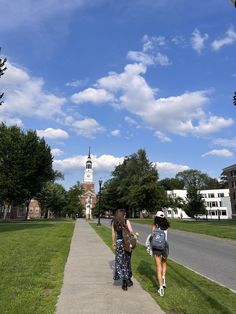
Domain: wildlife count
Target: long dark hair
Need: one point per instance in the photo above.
(119, 220)
(162, 223)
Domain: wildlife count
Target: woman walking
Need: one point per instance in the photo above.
(122, 258)
(160, 248)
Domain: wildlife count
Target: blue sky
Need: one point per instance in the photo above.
(123, 75)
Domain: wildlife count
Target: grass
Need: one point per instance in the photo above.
(222, 229)
(187, 292)
(33, 256)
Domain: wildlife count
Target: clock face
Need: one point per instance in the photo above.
(88, 175)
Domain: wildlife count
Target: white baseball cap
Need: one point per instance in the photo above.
(160, 214)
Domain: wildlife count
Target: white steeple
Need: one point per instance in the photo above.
(88, 171)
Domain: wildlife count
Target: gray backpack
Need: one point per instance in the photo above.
(158, 240)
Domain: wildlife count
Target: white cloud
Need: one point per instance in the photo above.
(25, 96)
(228, 39)
(179, 41)
(103, 163)
(130, 121)
(198, 40)
(161, 59)
(76, 83)
(183, 114)
(87, 127)
(225, 142)
(150, 53)
(107, 163)
(56, 152)
(8, 120)
(51, 133)
(168, 168)
(151, 43)
(219, 152)
(139, 56)
(162, 137)
(92, 95)
(115, 132)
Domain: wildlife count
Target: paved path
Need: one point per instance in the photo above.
(88, 286)
(212, 257)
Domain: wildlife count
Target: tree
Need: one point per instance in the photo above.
(194, 203)
(74, 206)
(2, 70)
(234, 99)
(25, 166)
(172, 184)
(193, 177)
(134, 186)
(53, 197)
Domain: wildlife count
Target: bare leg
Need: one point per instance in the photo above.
(163, 264)
(158, 269)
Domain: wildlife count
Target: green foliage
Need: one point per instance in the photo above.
(193, 177)
(53, 198)
(194, 203)
(25, 164)
(134, 186)
(2, 70)
(172, 184)
(74, 206)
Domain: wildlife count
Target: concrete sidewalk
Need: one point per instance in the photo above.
(88, 286)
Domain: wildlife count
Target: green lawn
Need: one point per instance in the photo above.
(186, 293)
(221, 229)
(33, 256)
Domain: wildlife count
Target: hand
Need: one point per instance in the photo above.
(113, 246)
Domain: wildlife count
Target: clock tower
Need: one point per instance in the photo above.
(88, 198)
(88, 171)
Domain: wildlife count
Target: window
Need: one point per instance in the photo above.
(223, 213)
(212, 212)
(233, 173)
(233, 183)
(169, 212)
(204, 195)
(220, 204)
(234, 195)
(214, 204)
(221, 195)
(211, 195)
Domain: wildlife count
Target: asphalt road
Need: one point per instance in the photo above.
(212, 257)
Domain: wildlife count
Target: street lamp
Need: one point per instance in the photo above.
(99, 202)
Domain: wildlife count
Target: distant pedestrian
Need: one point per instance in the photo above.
(122, 258)
(160, 248)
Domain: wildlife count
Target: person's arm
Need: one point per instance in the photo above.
(153, 227)
(113, 236)
(129, 226)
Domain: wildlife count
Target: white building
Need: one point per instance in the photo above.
(217, 204)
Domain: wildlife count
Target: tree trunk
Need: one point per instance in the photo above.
(6, 209)
(27, 208)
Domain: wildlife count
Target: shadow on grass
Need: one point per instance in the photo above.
(11, 227)
(185, 282)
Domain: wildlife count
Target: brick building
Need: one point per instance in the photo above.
(230, 172)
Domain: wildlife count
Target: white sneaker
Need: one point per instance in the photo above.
(161, 291)
(164, 282)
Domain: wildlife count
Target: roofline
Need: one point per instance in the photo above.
(229, 167)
